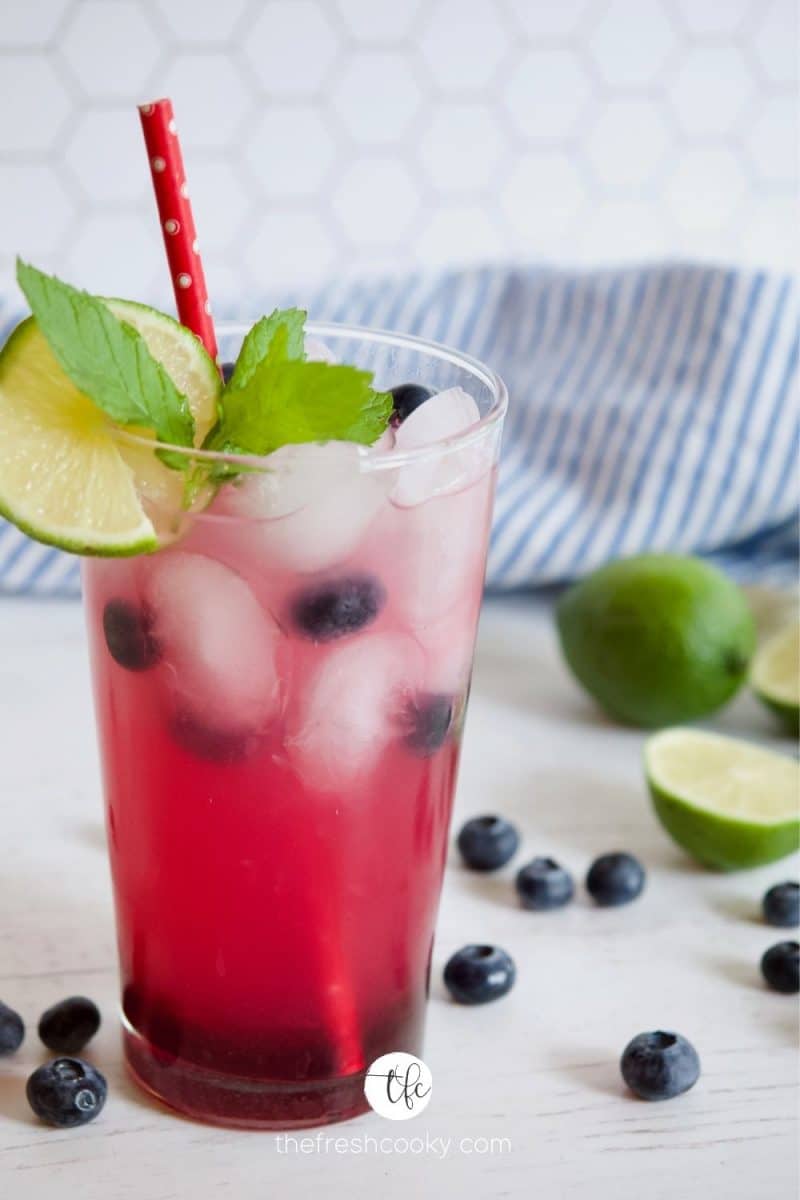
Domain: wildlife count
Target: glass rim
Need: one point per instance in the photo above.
(368, 458)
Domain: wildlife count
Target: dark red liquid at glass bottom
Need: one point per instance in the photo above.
(273, 940)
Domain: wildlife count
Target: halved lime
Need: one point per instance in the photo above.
(68, 477)
(775, 675)
(729, 803)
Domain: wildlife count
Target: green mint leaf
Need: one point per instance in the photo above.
(106, 358)
(282, 332)
(290, 401)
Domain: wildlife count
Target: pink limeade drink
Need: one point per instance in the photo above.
(280, 695)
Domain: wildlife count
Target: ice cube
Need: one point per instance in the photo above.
(310, 509)
(438, 555)
(443, 416)
(218, 644)
(318, 351)
(352, 707)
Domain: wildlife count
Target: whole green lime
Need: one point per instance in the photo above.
(657, 639)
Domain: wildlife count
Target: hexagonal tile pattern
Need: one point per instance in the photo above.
(628, 143)
(33, 104)
(369, 21)
(29, 23)
(116, 254)
(706, 189)
(774, 43)
(711, 89)
(288, 248)
(290, 150)
(103, 152)
(339, 136)
(546, 94)
(713, 17)
(39, 212)
(462, 147)
(191, 22)
(542, 197)
(220, 202)
(631, 42)
(90, 49)
(772, 142)
(463, 44)
(375, 201)
(291, 47)
(211, 100)
(549, 20)
(466, 226)
(376, 96)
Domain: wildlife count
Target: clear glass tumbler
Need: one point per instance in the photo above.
(280, 694)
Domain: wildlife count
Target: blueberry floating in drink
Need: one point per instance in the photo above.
(428, 720)
(128, 631)
(338, 607)
(407, 398)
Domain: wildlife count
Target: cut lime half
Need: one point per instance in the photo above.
(68, 477)
(729, 803)
(775, 675)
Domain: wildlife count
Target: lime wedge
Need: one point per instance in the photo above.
(68, 476)
(729, 803)
(775, 675)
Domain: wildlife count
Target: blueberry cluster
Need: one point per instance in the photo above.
(657, 1065)
(66, 1091)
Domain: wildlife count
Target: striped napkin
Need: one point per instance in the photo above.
(651, 408)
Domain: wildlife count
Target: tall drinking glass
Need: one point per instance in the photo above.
(280, 694)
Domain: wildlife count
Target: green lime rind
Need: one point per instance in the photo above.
(734, 840)
(94, 549)
(723, 842)
(657, 639)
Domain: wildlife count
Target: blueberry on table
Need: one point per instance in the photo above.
(428, 720)
(12, 1030)
(780, 967)
(66, 1092)
(129, 636)
(487, 843)
(478, 974)
(338, 607)
(543, 885)
(615, 879)
(659, 1065)
(407, 397)
(781, 905)
(69, 1025)
(227, 371)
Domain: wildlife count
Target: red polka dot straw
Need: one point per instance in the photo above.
(177, 222)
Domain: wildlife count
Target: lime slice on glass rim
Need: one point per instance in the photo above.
(727, 802)
(775, 675)
(68, 475)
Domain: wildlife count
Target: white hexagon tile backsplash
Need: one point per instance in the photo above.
(356, 136)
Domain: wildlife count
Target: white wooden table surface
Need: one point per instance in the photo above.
(538, 1068)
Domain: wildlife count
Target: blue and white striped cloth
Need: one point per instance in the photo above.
(651, 408)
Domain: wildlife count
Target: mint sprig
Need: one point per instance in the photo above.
(106, 358)
(275, 397)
